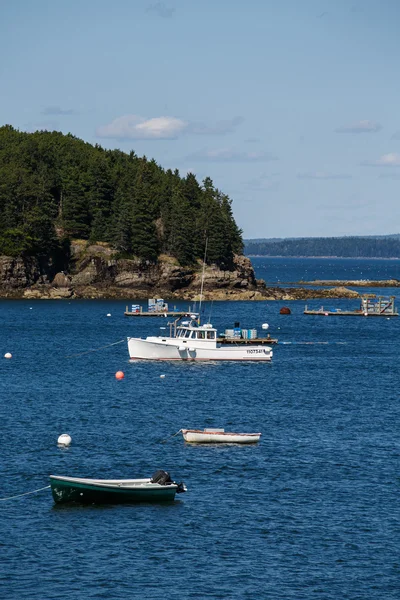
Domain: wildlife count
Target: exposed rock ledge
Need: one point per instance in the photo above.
(95, 272)
(354, 282)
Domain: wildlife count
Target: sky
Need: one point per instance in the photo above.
(291, 107)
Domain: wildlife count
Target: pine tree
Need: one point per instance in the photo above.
(144, 234)
(181, 240)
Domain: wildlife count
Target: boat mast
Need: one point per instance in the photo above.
(202, 279)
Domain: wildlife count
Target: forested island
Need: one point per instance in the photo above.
(55, 187)
(106, 218)
(339, 247)
(81, 221)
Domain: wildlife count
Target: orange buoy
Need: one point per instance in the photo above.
(119, 375)
(285, 310)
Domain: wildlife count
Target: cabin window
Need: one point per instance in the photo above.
(210, 335)
(200, 335)
(187, 333)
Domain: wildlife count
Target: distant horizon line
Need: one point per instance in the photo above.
(321, 237)
(324, 257)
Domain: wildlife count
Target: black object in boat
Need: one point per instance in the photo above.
(161, 477)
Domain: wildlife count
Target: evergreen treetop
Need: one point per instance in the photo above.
(56, 187)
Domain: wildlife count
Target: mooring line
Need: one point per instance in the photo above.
(169, 437)
(25, 494)
(95, 349)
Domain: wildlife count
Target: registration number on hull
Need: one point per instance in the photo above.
(262, 351)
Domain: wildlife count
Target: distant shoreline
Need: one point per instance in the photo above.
(326, 257)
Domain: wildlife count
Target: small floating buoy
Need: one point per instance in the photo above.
(64, 439)
(30, 308)
(108, 314)
(265, 326)
(162, 376)
(285, 310)
(8, 355)
(119, 375)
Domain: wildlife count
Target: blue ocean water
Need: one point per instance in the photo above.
(290, 270)
(313, 510)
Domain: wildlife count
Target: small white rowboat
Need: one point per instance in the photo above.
(218, 436)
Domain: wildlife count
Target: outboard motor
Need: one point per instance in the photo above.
(161, 477)
(181, 488)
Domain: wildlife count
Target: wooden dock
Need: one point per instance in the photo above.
(156, 313)
(369, 307)
(348, 313)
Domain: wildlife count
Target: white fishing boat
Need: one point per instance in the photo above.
(193, 342)
(218, 436)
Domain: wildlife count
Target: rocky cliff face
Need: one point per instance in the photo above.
(96, 272)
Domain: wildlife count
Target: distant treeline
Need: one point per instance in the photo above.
(342, 247)
(56, 187)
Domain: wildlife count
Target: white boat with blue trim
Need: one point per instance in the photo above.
(190, 341)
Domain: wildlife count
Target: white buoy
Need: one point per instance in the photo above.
(8, 355)
(108, 314)
(64, 439)
(265, 325)
(162, 376)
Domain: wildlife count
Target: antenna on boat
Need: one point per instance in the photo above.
(209, 318)
(202, 278)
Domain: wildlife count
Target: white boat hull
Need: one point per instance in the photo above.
(154, 348)
(205, 437)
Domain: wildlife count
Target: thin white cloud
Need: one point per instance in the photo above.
(322, 175)
(390, 175)
(387, 160)
(263, 183)
(57, 111)
(219, 128)
(360, 127)
(230, 155)
(133, 127)
(161, 9)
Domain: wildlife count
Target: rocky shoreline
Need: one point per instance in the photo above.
(95, 271)
(353, 282)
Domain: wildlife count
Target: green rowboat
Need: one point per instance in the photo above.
(159, 488)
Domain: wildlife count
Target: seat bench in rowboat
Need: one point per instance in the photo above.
(213, 436)
(159, 488)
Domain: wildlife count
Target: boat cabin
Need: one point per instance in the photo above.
(196, 333)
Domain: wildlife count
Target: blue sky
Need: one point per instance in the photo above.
(291, 107)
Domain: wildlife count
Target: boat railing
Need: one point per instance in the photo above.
(173, 325)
